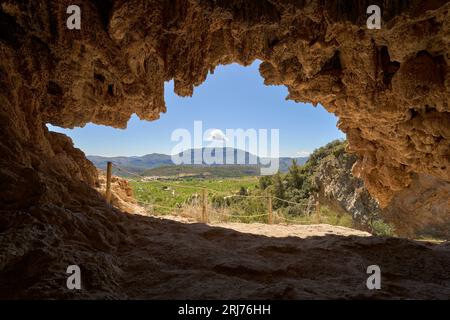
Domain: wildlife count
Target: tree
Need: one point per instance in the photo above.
(242, 191)
(295, 177)
(264, 182)
(278, 189)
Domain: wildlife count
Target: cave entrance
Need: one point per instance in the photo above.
(233, 98)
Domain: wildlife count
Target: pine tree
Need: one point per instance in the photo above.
(264, 182)
(295, 176)
(278, 189)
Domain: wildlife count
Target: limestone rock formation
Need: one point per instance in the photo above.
(122, 196)
(339, 190)
(389, 88)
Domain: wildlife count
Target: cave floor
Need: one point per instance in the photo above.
(126, 256)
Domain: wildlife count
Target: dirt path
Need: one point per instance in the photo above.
(279, 230)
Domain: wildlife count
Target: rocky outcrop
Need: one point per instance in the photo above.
(330, 172)
(122, 196)
(422, 208)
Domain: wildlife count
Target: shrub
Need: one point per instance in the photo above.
(380, 228)
(296, 210)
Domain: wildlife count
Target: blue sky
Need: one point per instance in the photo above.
(231, 98)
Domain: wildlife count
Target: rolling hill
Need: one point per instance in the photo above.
(157, 164)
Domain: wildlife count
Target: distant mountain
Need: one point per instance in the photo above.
(134, 164)
(241, 162)
(203, 171)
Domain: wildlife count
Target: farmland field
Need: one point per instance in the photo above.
(167, 196)
(175, 193)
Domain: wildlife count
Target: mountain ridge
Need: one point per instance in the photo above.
(140, 164)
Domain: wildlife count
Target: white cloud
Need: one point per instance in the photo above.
(303, 153)
(216, 135)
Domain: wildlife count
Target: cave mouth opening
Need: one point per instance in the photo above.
(234, 98)
(231, 97)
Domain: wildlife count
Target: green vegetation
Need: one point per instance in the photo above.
(224, 171)
(299, 187)
(244, 199)
(325, 215)
(177, 193)
(174, 196)
(381, 228)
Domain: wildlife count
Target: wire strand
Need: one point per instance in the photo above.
(211, 189)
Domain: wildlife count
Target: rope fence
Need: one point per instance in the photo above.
(203, 207)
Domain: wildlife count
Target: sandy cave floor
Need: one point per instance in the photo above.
(185, 259)
(131, 256)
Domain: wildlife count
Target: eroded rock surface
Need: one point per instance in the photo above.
(122, 196)
(339, 190)
(389, 88)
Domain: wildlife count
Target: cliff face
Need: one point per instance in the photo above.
(337, 188)
(389, 88)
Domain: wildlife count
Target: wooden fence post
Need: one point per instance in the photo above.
(222, 213)
(204, 212)
(108, 182)
(269, 207)
(318, 211)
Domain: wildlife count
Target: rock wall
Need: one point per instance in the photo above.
(122, 196)
(389, 87)
(340, 190)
